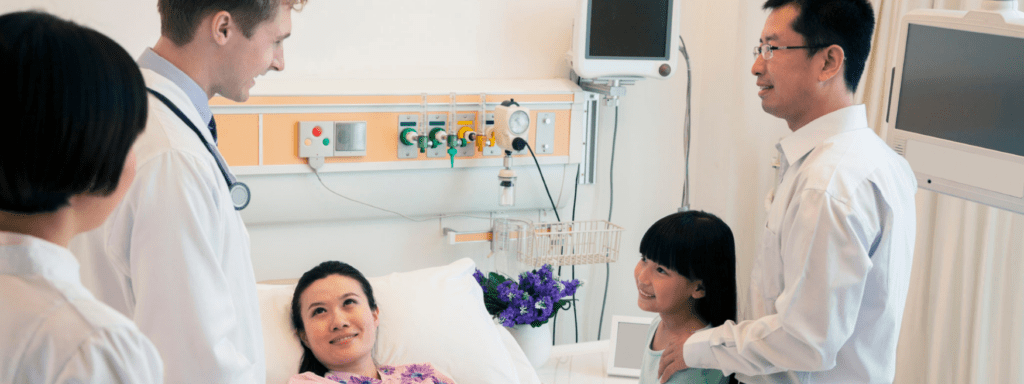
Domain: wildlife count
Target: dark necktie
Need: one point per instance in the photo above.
(213, 129)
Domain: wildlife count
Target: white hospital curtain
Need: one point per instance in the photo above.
(962, 322)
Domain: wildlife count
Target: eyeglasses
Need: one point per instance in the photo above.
(767, 51)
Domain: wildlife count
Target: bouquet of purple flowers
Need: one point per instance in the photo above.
(533, 299)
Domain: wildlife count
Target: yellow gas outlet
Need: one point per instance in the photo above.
(463, 132)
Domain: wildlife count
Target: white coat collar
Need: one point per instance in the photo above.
(24, 255)
(172, 92)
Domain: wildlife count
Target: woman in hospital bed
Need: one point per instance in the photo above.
(335, 317)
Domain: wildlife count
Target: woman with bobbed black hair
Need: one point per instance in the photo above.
(76, 104)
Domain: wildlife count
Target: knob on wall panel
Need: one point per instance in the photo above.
(407, 151)
(491, 150)
(465, 120)
(437, 121)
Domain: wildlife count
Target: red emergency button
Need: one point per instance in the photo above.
(317, 131)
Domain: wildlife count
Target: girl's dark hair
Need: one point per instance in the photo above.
(76, 103)
(699, 246)
(309, 361)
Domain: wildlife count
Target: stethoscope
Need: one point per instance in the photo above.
(239, 192)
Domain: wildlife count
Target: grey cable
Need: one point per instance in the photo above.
(686, 131)
(611, 200)
(317, 173)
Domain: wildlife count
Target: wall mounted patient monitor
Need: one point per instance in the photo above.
(615, 38)
(956, 103)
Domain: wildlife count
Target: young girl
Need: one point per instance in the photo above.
(686, 274)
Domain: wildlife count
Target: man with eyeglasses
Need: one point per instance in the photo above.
(829, 284)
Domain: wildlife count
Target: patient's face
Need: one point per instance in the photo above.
(340, 327)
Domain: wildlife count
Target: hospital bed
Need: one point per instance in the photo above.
(431, 315)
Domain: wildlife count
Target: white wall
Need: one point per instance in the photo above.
(524, 39)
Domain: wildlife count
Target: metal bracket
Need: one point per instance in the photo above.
(611, 87)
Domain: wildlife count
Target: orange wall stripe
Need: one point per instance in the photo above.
(238, 139)
(386, 99)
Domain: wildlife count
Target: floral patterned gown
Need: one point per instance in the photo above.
(389, 374)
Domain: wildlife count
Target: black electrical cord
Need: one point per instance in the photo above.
(519, 141)
(553, 207)
(575, 317)
(575, 193)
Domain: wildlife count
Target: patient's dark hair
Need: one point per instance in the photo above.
(75, 104)
(309, 361)
(699, 246)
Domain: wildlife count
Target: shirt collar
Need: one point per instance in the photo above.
(152, 61)
(24, 255)
(797, 144)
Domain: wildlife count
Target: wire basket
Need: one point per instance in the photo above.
(572, 243)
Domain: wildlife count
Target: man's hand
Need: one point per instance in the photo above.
(672, 358)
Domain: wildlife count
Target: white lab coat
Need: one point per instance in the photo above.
(52, 330)
(180, 253)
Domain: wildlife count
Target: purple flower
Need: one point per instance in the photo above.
(438, 381)
(570, 288)
(479, 276)
(386, 369)
(531, 297)
(508, 290)
(363, 380)
(508, 316)
(335, 377)
(416, 373)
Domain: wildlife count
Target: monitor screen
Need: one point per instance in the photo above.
(963, 86)
(629, 29)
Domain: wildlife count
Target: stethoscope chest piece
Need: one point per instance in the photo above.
(240, 195)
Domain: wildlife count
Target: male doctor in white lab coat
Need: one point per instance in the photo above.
(830, 282)
(178, 248)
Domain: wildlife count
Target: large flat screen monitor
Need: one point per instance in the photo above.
(956, 108)
(615, 38)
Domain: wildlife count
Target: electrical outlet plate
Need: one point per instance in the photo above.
(408, 151)
(544, 137)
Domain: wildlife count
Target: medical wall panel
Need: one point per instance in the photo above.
(261, 142)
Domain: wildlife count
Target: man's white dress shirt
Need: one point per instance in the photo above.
(52, 330)
(181, 253)
(830, 282)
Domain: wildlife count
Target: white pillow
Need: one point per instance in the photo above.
(433, 315)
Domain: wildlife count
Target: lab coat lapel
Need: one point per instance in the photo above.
(173, 93)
